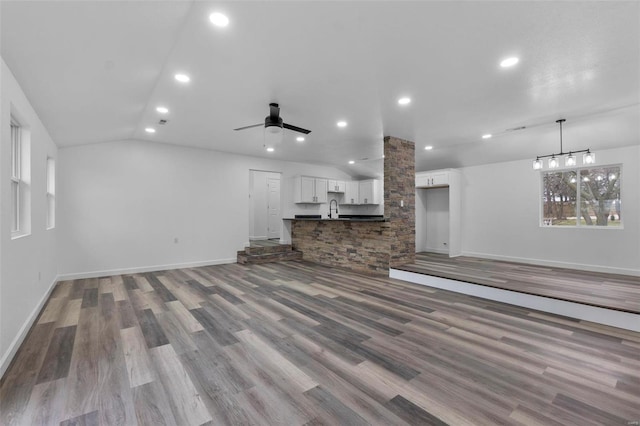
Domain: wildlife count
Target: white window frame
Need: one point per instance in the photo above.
(577, 170)
(16, 179)
(51, 193)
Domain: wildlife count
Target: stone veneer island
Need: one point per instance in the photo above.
(369, 246)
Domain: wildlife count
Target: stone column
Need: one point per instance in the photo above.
(399, 199)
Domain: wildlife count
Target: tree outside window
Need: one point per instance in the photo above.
(582, 197)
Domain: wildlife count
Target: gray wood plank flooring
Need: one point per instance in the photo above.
(611, 291)
(296, 343)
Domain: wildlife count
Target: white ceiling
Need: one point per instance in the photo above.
(95, 71)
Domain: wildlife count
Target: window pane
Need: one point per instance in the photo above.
(15, 151)
(15, 203)
(600, 196)
(51, 211)
(559, 198)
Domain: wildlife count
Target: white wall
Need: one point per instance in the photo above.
(27, 264)
(122, 205)
(500, 219)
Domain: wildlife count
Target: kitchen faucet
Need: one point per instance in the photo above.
(331, 208)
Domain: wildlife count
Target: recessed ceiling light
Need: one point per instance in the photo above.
(509, 62)
(270, 149)
(404, 101)
(487, 136)
(341, 124)
(162, 110)
(218, 19)
(150, 130)
(182, 78)
(300, 139)
(352, 162)
(428, 147)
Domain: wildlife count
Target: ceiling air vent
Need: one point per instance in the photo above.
(162, 122)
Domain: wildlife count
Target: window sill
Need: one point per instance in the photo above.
(19, 235)
(612, 228)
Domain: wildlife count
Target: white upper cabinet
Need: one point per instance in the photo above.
(310, 190)
(321, 190)
(335, 186)
(368, 192)
(432, 179)
(351, 191)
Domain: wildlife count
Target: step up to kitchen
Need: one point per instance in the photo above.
(259, 255)
(277, 248)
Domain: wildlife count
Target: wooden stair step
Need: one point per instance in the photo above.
(280, 248)
(245, 258)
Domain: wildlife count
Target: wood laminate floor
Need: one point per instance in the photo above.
(296, 343)
(612, 291)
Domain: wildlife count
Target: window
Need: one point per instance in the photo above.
(51, 193)
(16, 151)
(585, 197)
(20, 178)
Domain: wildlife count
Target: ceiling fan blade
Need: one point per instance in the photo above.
(296, 128)
(274, 112)
(248, 127)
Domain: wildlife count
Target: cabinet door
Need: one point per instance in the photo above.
(367, 194)
(351, 191)
(321, 190)
(422, 180)
(440, 179)
(307, 189)
(335, 185)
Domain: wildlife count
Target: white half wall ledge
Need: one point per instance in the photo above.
(610, 317)
(137, 270)
(556, 264)
(7, 357)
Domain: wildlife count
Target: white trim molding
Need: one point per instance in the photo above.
(7, 357)
(137, 270)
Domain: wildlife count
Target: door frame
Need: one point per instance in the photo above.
(252, 207)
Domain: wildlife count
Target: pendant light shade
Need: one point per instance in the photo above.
(537, 164)
(570, 160)
(588, 157)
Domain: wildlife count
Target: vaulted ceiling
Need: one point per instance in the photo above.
(96, 71)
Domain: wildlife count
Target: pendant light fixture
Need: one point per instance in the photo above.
(569, 157)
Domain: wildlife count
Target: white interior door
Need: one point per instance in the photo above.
(273, 208)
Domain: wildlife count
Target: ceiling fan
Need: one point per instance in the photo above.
(273, 122)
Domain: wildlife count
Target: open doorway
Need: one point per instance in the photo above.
(265, 211)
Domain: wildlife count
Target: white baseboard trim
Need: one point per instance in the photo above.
(557, 264)
(259, 238)
(435, 250)
(624, 320)
(7, 357)
(137, 270)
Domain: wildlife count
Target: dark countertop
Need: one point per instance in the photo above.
(341, 218)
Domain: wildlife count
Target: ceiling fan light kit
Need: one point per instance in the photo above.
(273, 123)
(569, 158)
